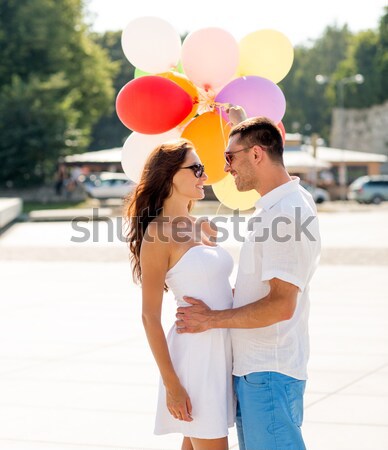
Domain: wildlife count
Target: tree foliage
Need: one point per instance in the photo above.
(55, 82)
(309, 104)
(337, 54)
(38, 123)
(109, 132)
(58, 83)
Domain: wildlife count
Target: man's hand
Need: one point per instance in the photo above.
(193, 319)
(236, 114)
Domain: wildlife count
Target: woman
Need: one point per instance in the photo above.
(169, 249)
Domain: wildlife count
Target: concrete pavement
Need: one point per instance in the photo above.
(76, 371)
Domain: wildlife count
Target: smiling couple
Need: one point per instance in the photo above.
(232, 356)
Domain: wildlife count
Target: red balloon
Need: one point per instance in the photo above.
(152, 105)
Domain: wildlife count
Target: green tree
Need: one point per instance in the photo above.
(337, 54)
(55, 83)
(382, 55)
(27, 110)
(361, 59)
(368, 55)
(309, 104)
(109, 132)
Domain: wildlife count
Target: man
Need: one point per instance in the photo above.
(271, 300)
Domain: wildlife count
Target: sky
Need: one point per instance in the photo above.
(300, 20)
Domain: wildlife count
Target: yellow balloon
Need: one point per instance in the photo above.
(227, 193)
(265, 53)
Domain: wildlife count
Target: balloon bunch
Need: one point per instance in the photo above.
(184, 90)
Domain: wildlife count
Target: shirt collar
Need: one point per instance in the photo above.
(272, 197)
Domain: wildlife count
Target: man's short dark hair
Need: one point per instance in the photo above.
(261, 131)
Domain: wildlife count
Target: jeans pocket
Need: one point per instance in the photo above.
(257, 379)
(295, 391)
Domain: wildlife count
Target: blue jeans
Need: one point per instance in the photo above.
(269, 411)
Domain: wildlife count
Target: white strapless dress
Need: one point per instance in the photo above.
(202, 361)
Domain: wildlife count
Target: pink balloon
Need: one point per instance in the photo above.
(210, 57)
(257, 95)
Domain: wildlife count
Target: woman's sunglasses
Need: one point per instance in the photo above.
(198, 169)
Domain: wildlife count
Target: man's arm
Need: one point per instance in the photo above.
(277, 306)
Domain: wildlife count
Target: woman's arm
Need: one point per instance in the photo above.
(154, 259)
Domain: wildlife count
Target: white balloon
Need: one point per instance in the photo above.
(138, 147)
(151, 44)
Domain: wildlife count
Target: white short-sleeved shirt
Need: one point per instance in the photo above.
(282, 242)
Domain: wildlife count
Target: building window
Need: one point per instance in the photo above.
(355, 172)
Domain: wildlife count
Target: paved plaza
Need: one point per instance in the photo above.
(76, 372)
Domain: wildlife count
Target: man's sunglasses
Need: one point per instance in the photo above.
(198, 169)
(230, 155)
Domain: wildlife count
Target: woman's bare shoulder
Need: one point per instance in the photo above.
(157, 238)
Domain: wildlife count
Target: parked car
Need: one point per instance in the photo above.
(106, 185)
(369, 189)
(319, 195)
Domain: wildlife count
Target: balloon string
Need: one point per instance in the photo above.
(206, 100)
(218, 209)
(221, 125)
(225, 107)
(222, 105)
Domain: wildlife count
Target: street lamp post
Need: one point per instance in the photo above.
(359, 79)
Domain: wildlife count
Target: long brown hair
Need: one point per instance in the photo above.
(155, 186)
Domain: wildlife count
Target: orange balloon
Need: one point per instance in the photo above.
(209, 133)
(188, 87)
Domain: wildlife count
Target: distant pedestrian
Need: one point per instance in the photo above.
(60, 178)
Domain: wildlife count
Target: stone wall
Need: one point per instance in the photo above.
(44, 194)
(363, 129)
